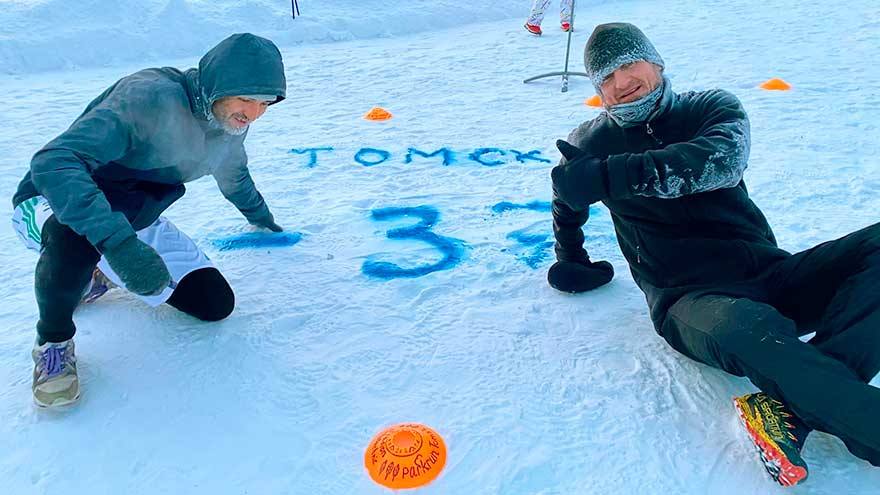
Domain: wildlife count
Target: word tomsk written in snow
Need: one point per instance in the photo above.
(370, 157)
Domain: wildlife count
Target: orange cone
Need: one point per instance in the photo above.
(405, 456)
(776, 84)
(378, 113)
(593, 101)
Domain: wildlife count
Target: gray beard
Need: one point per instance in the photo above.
(225, 127)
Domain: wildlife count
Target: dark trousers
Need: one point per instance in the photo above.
(65, 268)
(832, 289)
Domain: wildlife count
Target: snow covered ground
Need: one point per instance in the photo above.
(52, 34)
(534, 391)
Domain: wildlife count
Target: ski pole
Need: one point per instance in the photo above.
(568, 50)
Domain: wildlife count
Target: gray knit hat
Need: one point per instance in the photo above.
(615, 44)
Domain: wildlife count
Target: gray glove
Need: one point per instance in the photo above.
(267, 221)
(139, 266)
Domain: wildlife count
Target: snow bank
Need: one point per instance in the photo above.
(41, 35)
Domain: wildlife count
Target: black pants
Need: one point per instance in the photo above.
(832, 289)
(65, 268)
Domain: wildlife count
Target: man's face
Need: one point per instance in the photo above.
(235, 113)
(630, 82)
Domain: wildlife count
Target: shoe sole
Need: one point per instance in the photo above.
(94, 294)
(60, 402)
(531, 32)
(775, 461)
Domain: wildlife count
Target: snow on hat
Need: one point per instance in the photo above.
(613, 45)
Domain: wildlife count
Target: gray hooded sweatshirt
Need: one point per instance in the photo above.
(126, 158)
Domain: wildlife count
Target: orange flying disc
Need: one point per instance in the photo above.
(776, 84)
(407, 455)
(378, 113)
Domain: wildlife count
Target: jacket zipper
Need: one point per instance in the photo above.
(638, 246)
(651, 133)
(658, 141)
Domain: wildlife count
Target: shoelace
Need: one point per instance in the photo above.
(780, 409)
(54, 360)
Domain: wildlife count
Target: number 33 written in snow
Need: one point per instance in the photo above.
(453, 250)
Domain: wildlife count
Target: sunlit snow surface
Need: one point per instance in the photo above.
(534, 391)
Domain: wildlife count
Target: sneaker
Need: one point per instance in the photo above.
(55, 379)
(778, 435)
(566, 26)
(533, 28)
(99, 286)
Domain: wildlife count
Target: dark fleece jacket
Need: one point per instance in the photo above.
(681, 211)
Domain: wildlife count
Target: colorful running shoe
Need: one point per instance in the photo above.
(777, 433)
(533, 28)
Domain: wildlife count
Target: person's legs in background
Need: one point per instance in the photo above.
(536, 16)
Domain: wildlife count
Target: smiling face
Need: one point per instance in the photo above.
(630, 82)
(235, 113)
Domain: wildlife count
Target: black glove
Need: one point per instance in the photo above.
(139, 266)
(267, 221)
(582, 180)
(572, 276)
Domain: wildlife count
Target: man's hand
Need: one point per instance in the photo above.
(139, 266)
(267, 221)
(582, 180)
(271, 225)
(574, 277)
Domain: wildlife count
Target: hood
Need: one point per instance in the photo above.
(242, 64)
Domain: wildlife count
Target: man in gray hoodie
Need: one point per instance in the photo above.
(94, 195)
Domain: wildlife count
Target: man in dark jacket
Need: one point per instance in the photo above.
(94, 195)
(669, 167)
